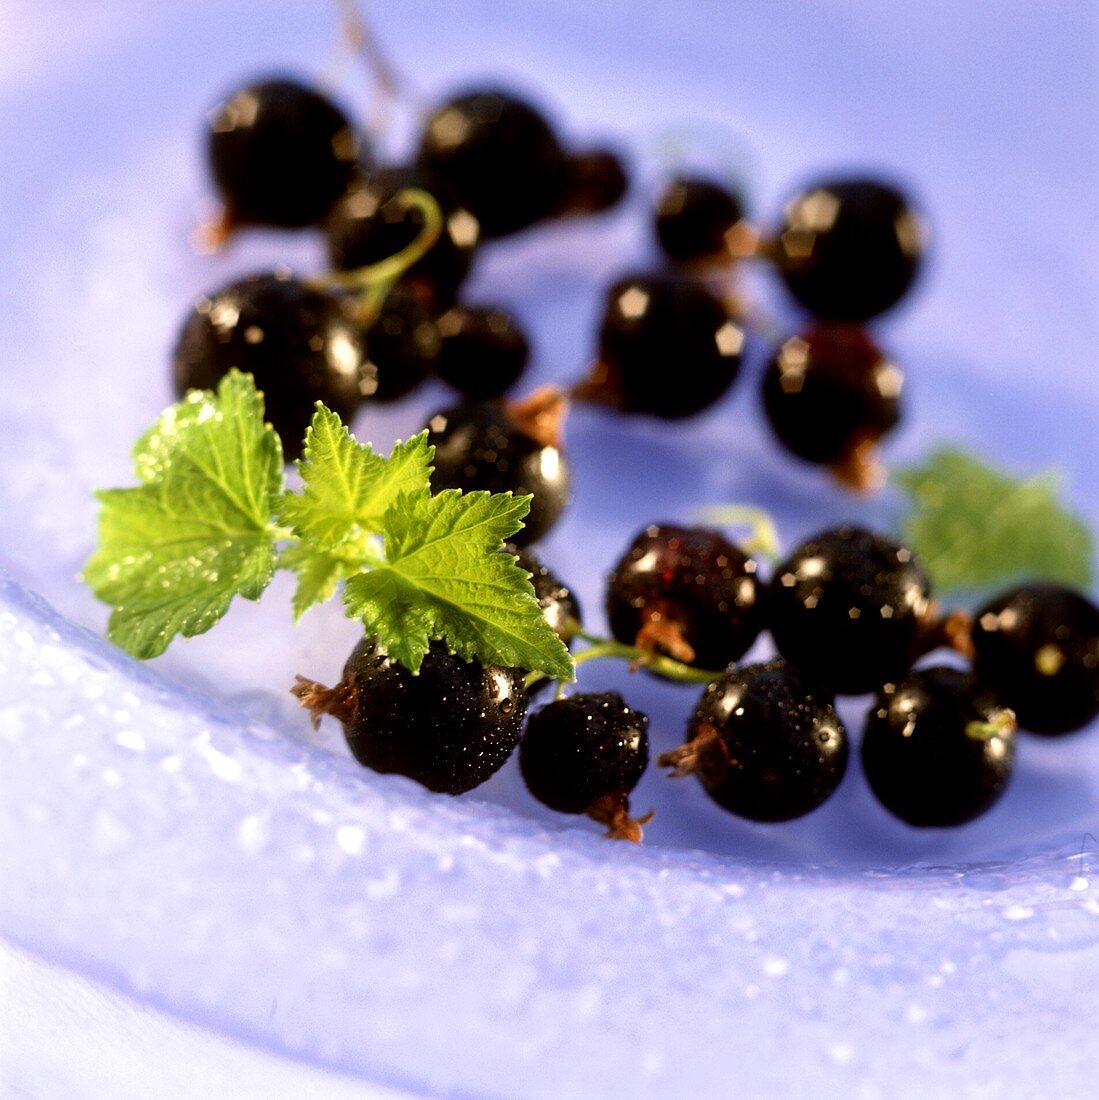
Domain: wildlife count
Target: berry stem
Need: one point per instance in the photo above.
(372, 283)
(763, 540)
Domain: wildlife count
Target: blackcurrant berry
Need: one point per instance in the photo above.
(666, 348)
(938, 747)
(483, 351)
(763, 743)
(296, 342)
(584, 754)
(693, 216)
(1037, 647)
(450, 727)
(281, 154)
(849, 608)
(596, 181)
(370, 224)
(687, 592)
(498, 155)
(557, 600)
(848, 249)
(830, 395)
(402, 347)
(506, 447)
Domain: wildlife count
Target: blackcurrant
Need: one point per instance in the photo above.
(370, 223)
(849, 249)
(938, 747)
(402, 347)
(450, 727)
(764, 743)
(1037, 647)
(483, 351)
(830, 395)
(583, 755)
(693, 216)
(666, 348)
(687, 592)
(498, 155)
(506, 447)
(295, 341)
(281, 154)
(557, 600)
(596, 181)
(850, 607)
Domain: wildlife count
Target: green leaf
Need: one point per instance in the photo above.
(974, 526)
(347, 486)
(446, 577)
(174, 551)
(319, 573)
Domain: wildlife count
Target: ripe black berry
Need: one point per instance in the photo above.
(849, 249)
(1037, 647)
(687, 592)
(557, 600)
(938, 747)
(693, 216)
(763, 743)
(830, 395)
(402, 347)
(370, 224)
(666, 348)
(281, 154)
(513, 447)
(849, 608)
(449, 728)
(584, 754)
(295, 341)
(483, 351)
(498, 155)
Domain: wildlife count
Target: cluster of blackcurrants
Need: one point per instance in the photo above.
(850, 612)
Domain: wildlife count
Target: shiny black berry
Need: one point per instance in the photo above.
(498, 156)
(483, 351)
(1037, 647)
(850, 607)
(583, 755)
(295, 341)
(450, 727)
(849, 249)
(281, 154)
(693, 216)
(597, 180)
(764, 743)
(370, 223)
(938, 747)
(830, 395)
(686, 592)
(402, 347)
(667, 348)
(557, 600)
(506, 447)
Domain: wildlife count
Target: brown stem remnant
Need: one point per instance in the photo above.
(341, 701)
(860, 469)
(597, 387)
(663, 631)
(687, 759)
(613, 810)
(540, 415)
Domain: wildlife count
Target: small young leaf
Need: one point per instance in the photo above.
(174, 551)
(319, 573)
(446, 577)
(974, 527)
(347, 486)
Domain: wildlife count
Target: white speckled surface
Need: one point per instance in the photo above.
(178, 850)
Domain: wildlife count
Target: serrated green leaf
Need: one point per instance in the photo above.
(974, 527)
(319, 572)
(174, 551)
(347, 486)
(445, 577)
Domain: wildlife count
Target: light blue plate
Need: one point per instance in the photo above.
(201, 897)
